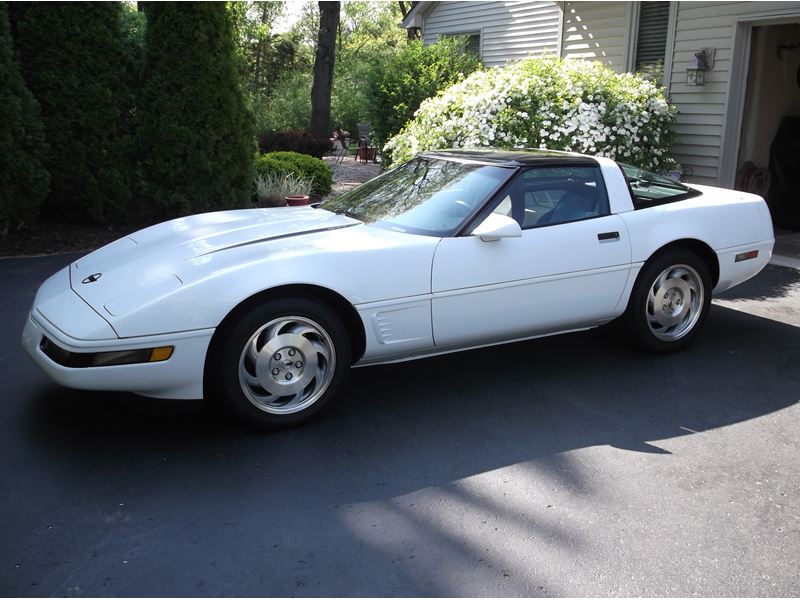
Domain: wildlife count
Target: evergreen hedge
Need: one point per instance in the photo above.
(74, 63)
(24, 180)
(195, 140)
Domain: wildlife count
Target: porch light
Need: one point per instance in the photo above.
(696, 69)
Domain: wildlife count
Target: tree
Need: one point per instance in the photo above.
(261, 55)
(74, 63)
(368, 33)
(24, 180)
(195, 138)
(323, 69)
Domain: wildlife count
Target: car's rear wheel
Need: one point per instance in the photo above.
(670, 301)
(279, 363)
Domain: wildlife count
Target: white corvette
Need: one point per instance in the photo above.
(265, 310)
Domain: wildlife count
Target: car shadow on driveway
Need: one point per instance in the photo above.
(430, 422)
(373, 498)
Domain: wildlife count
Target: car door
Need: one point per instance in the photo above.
(566, 271)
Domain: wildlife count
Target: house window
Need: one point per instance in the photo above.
(474, 44)
(651, 42)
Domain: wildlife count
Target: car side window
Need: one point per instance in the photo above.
(541, 196)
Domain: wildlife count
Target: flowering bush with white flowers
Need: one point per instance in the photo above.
(551, 103)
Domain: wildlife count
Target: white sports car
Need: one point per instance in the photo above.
(266, 310)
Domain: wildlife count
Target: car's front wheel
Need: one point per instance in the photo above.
(670, 301)
(279, 363)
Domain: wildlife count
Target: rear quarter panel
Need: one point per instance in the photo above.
(726, 220)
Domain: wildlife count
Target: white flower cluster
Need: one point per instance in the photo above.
(546, 103)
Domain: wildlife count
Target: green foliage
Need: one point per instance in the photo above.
(266, 165)
(581, 106)
(310, 168)
(261, 55)
(24, 180)
(74, 63)
(195, 138)
(368, 32)
(289, 108)
(397, 85)
(134, 26)
(300, 165)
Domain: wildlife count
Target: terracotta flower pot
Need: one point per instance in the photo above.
(297, 200)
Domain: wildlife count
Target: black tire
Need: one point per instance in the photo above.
(640, 317)
(227, 357)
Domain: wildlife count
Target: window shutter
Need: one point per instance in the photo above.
(651, 43)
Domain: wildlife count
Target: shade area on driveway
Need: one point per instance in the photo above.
(569, 465)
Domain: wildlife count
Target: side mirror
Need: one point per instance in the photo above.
(497, 226)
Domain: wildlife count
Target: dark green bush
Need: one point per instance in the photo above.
(397, 84)
(74, 63)
(195, 140)
(292, 141)
(24, 180)
(309, 167)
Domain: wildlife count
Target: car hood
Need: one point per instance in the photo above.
(146, 264)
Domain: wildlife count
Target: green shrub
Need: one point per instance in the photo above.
(24, 180)
(268, 165)
(301, 165)
(74, 63)
(289, 107)
(310, 168)
(547, 103)
(397, 84)
(195, 139)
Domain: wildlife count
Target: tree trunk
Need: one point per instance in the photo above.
(323, 69)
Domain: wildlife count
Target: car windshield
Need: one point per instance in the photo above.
(425, 196)
(649, 189)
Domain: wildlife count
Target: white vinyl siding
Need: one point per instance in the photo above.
(703, 110)
(596, 31)
(508, 30)
(606, 31)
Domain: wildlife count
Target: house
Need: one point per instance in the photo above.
(731, 98)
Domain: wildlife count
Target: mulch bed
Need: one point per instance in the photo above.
(56, 238)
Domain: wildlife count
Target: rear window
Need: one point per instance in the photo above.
(649, 189)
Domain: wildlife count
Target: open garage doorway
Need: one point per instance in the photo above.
(769, 150)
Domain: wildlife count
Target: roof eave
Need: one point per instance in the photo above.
(416, 15)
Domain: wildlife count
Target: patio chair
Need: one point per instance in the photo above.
(366, 150)
(340, 139)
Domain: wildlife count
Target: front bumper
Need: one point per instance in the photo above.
(181, 376)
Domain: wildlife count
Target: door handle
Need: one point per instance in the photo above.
(608, 235)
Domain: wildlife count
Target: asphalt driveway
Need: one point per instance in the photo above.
(562, 466)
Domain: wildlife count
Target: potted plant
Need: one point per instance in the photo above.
(299, 190)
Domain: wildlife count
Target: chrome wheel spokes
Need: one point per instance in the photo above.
(287, 365)
(674, 302)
